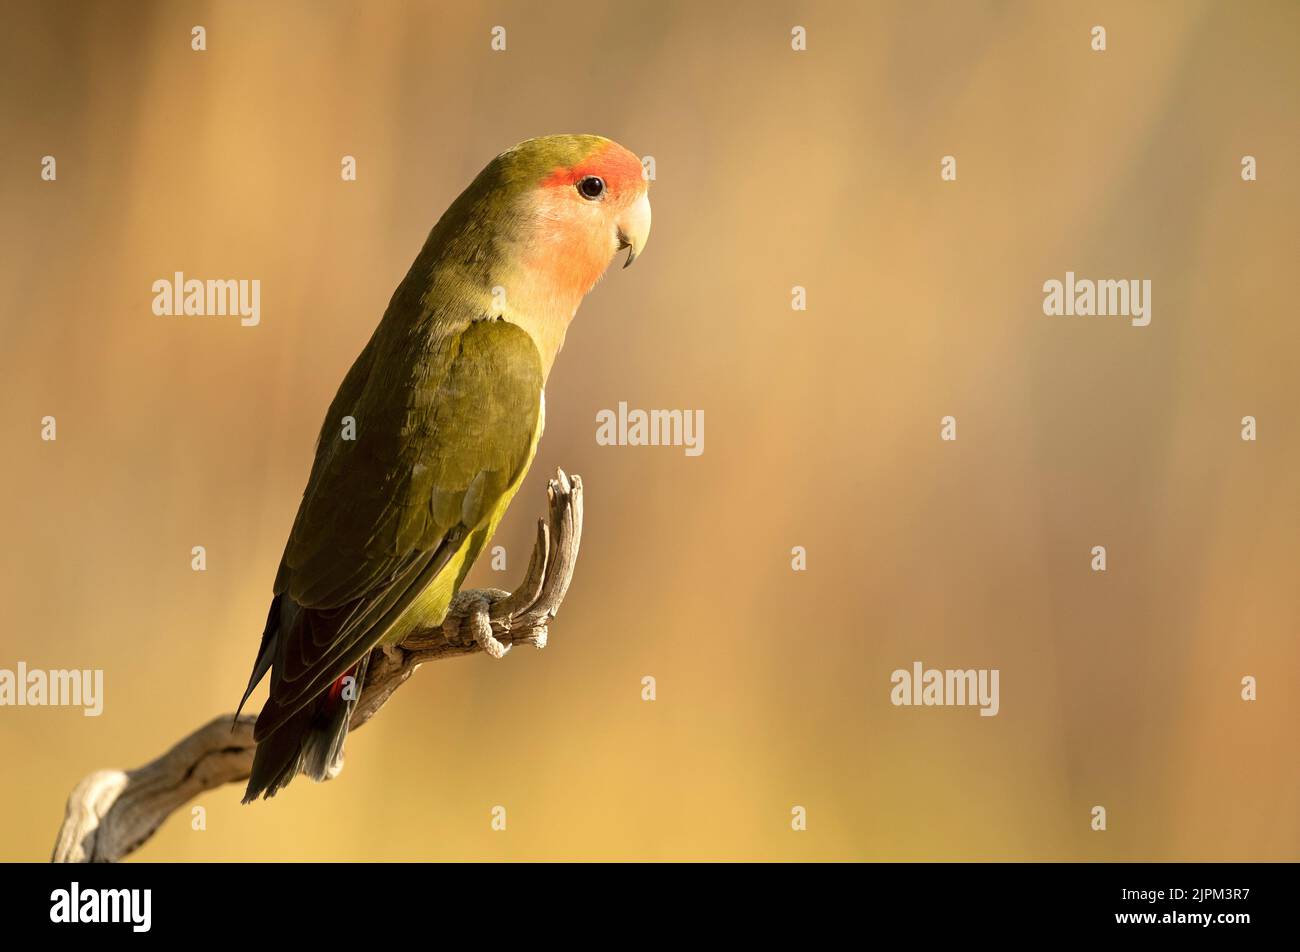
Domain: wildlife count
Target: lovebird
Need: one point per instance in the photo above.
(446, 403)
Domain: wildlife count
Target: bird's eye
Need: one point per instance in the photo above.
(591, 187)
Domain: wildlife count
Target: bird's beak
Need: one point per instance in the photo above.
(634, 228)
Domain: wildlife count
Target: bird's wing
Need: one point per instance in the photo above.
(437, 446)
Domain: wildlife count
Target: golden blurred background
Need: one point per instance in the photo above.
(774, 168)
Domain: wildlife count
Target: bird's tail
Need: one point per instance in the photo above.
(311, 741)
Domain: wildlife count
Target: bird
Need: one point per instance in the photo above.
(432, 431)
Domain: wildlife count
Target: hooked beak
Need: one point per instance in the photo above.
(634, 228)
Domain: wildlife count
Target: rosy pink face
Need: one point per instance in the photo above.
(589, 211)
(615, 166)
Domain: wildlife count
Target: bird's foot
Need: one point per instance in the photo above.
(472, 609)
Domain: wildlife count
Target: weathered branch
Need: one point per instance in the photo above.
(112, 812)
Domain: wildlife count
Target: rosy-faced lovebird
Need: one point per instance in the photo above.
(432, 431)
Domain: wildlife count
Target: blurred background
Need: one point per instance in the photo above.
(774, 169)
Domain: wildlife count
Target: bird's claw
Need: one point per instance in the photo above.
(474, 608)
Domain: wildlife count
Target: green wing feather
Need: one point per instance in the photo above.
(446, 425)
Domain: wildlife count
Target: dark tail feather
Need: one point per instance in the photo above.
(278, 757)
(265, 654)
(310, 742)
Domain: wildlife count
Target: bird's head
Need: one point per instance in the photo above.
(536, 229)
(579, 199)
(596, 186)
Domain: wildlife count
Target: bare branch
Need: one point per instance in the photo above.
(111, 813)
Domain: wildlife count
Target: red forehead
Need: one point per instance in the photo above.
(620, 169)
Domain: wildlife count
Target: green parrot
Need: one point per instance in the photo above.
(448, 403)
